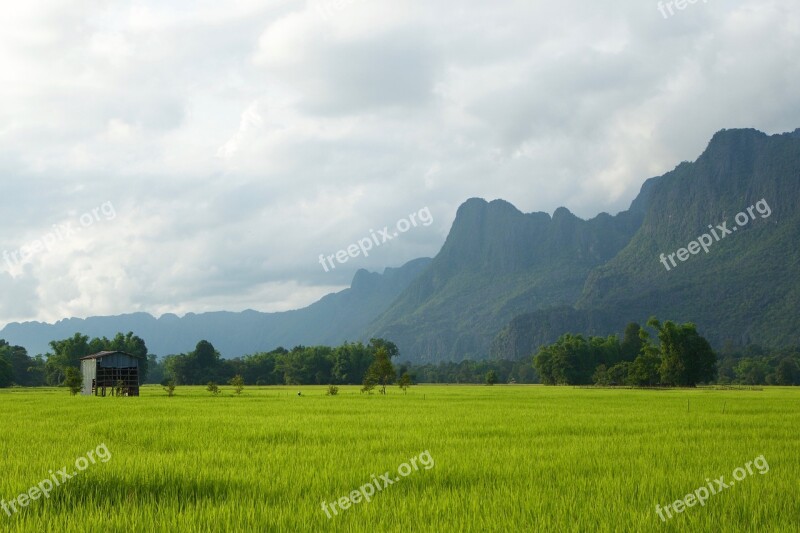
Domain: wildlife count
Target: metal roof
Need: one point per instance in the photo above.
(98, 355)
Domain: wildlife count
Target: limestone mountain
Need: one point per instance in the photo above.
(743, 290)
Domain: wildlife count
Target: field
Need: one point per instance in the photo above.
(505, 458)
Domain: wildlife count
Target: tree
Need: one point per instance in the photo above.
(205, 355)
(571, 360)
(369, 384)
(491, 377)
(751, 371)
(344, 363)
(199, 366)
(133, 345)
(66, 354)
(333, 390)
(644, 371)
(73, 380)
(213, 388)
(155, 370)
(405, 382)
(6, 372)
(543, 364)
(632, 342)
(381, 371)
(169, 387)
(600, 376)
(238, 384)
(388, 346)
(673, 369)
(726, 373)
(686, 358)
(259, 369)
(24, 371)
(619, 373)
(571, 354)
(787, 372)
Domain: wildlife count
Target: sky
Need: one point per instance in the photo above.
(177, 156)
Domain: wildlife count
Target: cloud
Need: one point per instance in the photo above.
(344, 70)
(239, 141)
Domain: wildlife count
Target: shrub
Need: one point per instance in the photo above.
(169, 387)
(237, 382)
(74, 381)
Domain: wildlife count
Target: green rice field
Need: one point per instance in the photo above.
(502, 458)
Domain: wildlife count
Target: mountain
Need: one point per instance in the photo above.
(496, 263)
(332, 320)
(743, 290)
(506, 282)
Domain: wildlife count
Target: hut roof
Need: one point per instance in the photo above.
(98, 355)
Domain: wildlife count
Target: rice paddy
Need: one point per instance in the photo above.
(506, 458)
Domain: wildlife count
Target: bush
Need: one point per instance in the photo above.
(333, 390)
(213, 388)
(237, 382)
(369, 385)
(405, 382)
(74, 380)
(169, 387)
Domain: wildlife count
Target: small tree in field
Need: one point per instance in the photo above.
(491, 377)
(213, 388)
(405, 382)
(73, 380)
(333, 390)
(369, 384)
(381, 371)
(237, 382)
(169, 387)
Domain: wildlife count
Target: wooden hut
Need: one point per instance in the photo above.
(114, 372)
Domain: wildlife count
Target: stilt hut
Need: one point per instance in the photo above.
(114, 373)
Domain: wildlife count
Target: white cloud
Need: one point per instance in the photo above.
(240, 140)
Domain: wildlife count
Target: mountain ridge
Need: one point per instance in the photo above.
(743, 291)
(506, 282)
(333, 319)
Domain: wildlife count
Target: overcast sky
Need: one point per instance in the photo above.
(198, 156)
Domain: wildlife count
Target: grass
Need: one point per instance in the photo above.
(507, 458)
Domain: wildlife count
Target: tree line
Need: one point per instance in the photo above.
(677, 356)
(681, 357)
(346, 364)
(756, 365)
(52, 368)
(302, 365)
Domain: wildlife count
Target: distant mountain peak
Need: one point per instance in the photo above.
(562, 213)
(364, 279)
